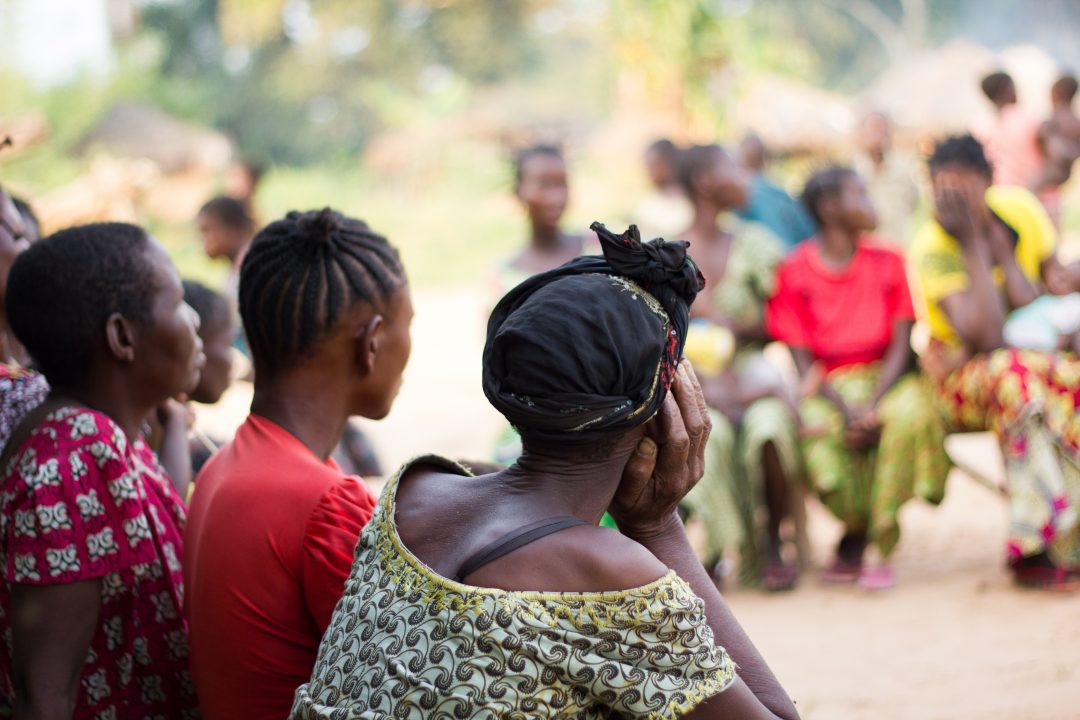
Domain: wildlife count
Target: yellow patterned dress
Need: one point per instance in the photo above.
(405, 642)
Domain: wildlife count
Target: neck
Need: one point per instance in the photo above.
(113, 397)
(877, 157)
(703, 228)
(837, 244)
(557, 485)
(546, 238)
(309, 408)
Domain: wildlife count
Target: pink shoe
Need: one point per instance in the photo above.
(878, 577)
(842, 573)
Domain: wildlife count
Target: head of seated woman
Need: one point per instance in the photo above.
(100, 309)
(581, 358)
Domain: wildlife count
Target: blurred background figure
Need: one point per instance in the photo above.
(768, 203)
(543, 191)
(217, 330)
(242, 183)
(889, 175)
(871, 438)
(665, 211)
(21, 388)
(1059, 139)
(1010, 136)
(752, 456)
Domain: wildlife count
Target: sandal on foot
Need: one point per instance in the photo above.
(1054, 579)
(842, 573)
(779, 577)
(879, 577)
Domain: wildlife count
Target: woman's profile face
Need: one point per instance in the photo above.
(168, 354)
(217, 335)
(543, 189)
(12, 238)
(727, 183)
(856, 208)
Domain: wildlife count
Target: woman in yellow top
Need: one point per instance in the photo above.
(989, 250)
(498, 596)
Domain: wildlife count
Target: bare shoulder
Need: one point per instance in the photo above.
(577, 560)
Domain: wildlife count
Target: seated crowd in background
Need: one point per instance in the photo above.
(288, 589)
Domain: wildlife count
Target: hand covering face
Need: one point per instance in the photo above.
(592, 345)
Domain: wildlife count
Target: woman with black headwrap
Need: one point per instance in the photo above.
(497, 596)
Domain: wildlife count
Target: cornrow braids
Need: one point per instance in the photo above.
(302, 274)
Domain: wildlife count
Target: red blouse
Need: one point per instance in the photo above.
(268, 546)
(843, 317)
(79, 502)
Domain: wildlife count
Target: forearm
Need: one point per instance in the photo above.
(672, 548)
(45, 706)
(1018, 289)
(983, 314)
(898, 360)
(175, 456)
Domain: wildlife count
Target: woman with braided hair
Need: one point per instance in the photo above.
(274, 520)
(528, 609)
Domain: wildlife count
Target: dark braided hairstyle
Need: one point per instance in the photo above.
(302, 274)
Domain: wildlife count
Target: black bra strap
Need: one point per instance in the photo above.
(513, 540)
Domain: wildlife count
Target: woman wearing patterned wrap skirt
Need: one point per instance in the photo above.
(989, 249)
(753, 451)
(872, 438)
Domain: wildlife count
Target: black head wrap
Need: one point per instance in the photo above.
(592, 345)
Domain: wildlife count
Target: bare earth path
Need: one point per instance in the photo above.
(954, 641)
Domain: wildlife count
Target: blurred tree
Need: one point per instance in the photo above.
(295, 81)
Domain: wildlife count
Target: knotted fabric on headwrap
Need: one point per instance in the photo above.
(592, 345)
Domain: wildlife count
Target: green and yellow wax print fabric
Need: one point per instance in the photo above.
(1030, 400)
(405, 642)
(866, 489)
(749, 273)
(727, 499)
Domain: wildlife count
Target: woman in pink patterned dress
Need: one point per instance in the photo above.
(21, 390)
(90, 524)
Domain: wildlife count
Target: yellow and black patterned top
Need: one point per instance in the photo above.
(405, 642)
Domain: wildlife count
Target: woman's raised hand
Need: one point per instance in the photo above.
(668, 462)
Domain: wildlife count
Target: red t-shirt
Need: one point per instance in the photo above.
(79, 502)
(268, 546)
(843, 317)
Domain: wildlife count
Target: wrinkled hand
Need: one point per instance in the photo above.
(668, 462)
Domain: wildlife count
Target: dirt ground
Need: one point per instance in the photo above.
(954, 641)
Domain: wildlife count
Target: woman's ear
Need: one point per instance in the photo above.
(366, 341)
(120, 337)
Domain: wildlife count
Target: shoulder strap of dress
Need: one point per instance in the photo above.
(513, 540)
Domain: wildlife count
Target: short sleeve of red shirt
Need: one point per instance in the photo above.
(329, 543)
(786, 311)
(75, 512)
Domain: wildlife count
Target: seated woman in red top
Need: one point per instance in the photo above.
(90, 523)
(274, 521)
(872, 438)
